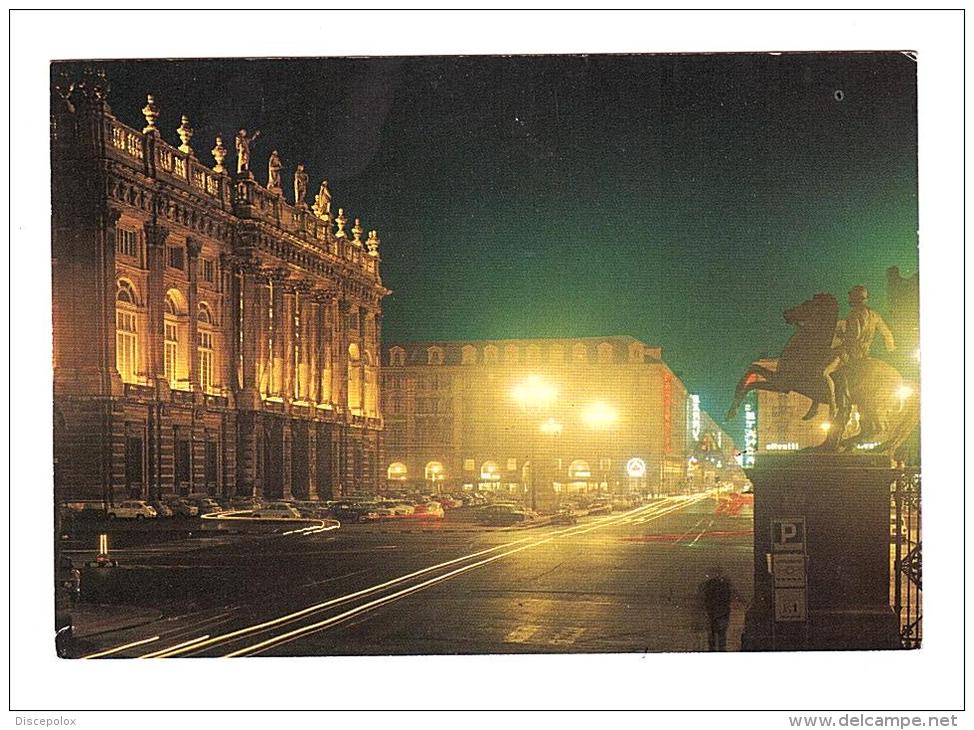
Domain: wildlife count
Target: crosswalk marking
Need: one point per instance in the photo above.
(521, 634)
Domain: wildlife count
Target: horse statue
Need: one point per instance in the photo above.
(888, 407)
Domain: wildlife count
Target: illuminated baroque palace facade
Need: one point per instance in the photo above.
(593, 413)
(209, 336)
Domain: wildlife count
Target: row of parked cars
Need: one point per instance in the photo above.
(142, 509)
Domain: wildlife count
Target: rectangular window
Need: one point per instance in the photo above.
(209, 271)
(125, 345)
(182, 462)
(211, 462)
(206, 361)
(133, 461)
(468, 465)
(171, 353)
(127, 242)
(176, 257)
(512, 464)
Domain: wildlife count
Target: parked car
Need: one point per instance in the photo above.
(134, 509)
(600, 508)
(400, 508)
(162, 509)
(502, 515)
(182, 508)
(277, 510)
(205, 505)
(428, 509)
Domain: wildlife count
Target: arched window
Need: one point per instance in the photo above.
(126, 333)
(396, 472)
(434, 472)
(171, 353)
(490, 355)
(468, 355)
(511, 354)
(604, 352)
(204, 334)
(397, 357)
(490, 472)
(434, 356)
(579, 469)
(579, 352)
(636, 352)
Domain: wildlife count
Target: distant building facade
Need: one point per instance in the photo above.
(610, 415)
(209, 336)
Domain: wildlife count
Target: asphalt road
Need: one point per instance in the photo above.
(626, 582)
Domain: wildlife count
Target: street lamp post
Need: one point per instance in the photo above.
(552, 429)
(533, 395)
(600, 417)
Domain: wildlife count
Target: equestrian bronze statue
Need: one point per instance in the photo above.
(870, 405)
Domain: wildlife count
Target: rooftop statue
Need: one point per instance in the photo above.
(322, 206)
(243, 143)
(828, 362)
(300, 187)
(274, 173)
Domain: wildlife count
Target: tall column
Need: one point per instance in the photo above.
(361, 359)
(231, 284)
(278, 328)
(286, 461)
(265, 358)
(312, 475)
(307, 308)
(155, 239)
(377, 352)
(111, 380)
(193, 248)
(287, 321)
(340, 367)
(246, 331)
(314, 340)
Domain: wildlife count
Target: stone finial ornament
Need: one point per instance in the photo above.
(357, 232)
(185, 133)
(340, 221)
(151, 113)
(219, 155)
(373, 243)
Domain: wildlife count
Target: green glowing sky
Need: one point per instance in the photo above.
(683, 200)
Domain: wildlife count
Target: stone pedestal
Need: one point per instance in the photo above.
(844, 500)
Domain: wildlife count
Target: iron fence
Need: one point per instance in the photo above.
(906, 563)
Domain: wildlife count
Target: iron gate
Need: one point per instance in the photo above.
(906, 556)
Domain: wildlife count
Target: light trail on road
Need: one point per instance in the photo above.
(170, 648)
(123, 647)
(658, 510)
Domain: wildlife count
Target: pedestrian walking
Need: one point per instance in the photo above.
(74, 586)
(717, 593)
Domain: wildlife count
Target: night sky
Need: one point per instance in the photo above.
(684, 200)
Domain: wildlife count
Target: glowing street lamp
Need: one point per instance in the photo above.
(600, 415)
(534, 393)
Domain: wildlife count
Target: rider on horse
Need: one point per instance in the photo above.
(856, 335)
